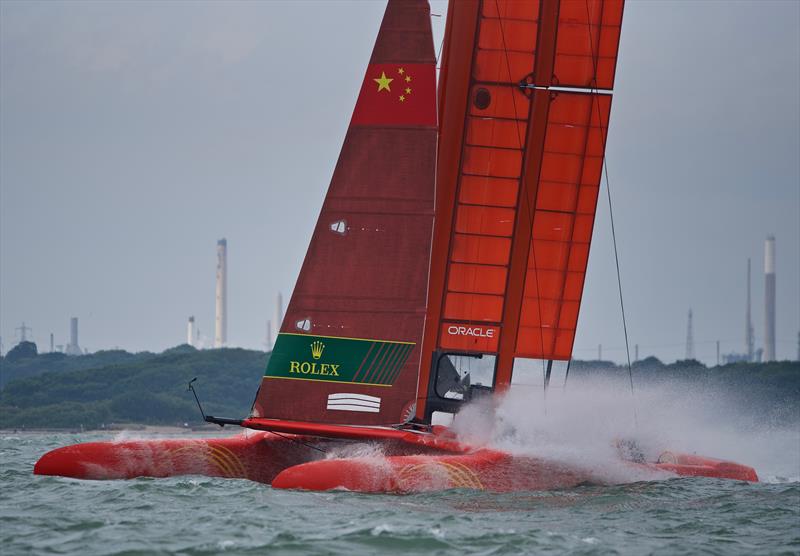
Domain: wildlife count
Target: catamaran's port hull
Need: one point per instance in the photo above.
(305, 462)
(258, 456)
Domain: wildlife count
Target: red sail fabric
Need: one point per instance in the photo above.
(563, 219)
(519, 165)
(361, 289)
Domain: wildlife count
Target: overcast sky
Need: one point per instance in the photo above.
(133, 135)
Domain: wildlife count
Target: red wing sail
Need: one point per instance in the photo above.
(563, 211)
(524, 105)
(349, 348)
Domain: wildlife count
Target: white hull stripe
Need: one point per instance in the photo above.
(359, 397)
(354, 402)
(360, 408)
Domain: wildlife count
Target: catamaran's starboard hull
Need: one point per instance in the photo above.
(483, 470)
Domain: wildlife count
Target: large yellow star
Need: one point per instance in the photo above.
(383, 82)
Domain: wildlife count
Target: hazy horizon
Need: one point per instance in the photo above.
(134, 135)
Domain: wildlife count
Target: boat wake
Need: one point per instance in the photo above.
(584, 424)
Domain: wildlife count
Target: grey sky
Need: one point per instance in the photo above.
(133, 135)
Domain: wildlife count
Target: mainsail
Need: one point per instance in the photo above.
(524, 103)
(349, 347)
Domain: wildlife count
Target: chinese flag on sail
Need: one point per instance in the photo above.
(397, 94)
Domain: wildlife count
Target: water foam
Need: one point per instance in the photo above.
(580, 426)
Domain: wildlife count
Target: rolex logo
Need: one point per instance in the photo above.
(316, 349)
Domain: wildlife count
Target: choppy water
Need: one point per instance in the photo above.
(197, 515)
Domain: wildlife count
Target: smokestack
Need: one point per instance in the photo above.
(689, 338)
(278, 314)
(749, 339)
(221, 320)
(268, 342)
(73, 348)
(52, 343)
(769, 299)
(190, 333)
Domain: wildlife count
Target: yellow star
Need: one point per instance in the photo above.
(402, 98)
(408, 79)
(383, 82)
(401, 71)
(408, 90)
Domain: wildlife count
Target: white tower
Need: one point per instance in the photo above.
(73, 348)
(748, 329)
(221, 319)
(278, 314)
(190, 333)
(769, 299)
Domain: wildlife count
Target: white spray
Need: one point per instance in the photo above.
(581, 425)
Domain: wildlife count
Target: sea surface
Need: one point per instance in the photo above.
(199, 515)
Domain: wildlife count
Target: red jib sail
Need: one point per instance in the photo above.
(524, 102)
(349, 347)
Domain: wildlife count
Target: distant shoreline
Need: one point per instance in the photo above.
(118, 391)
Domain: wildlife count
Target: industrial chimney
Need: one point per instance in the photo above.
(769, 299)
(278, 314)
(749, 339)
(221, 320)
(190, 333)
(73, 348)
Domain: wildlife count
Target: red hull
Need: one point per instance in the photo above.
(258, 456)
(687, 465)
(481, 470)
(412, 462)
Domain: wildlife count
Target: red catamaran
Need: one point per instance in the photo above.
(450, 252)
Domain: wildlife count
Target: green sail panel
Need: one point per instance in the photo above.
(336, 359)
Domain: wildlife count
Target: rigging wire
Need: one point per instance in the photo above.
(439, 54)
(595, 94)
(619, 280)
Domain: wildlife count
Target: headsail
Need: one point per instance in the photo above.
(349, 347)
(524, 107)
